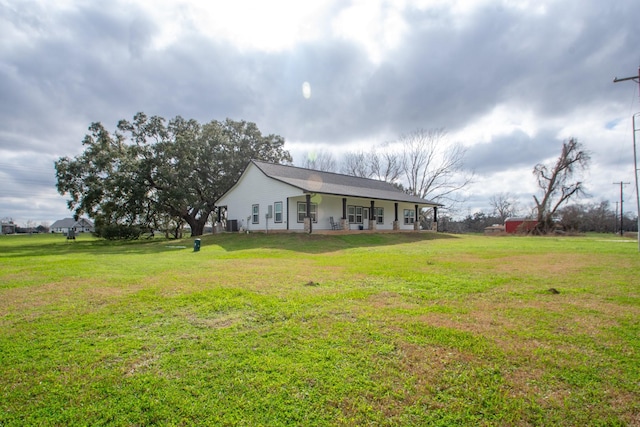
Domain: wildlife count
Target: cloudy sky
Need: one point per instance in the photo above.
(508, 79)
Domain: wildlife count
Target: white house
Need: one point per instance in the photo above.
(286, 198)
(82, 225)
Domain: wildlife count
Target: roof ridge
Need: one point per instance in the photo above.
(336, 183)
(324, 172)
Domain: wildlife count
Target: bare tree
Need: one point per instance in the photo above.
(504, 205)
(320, 160)
(30, 224)
(599, 217)
(385, 165)
(556, 182)
(356, 164)
(596, 217)
(432, 168)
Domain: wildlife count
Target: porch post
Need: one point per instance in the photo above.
(416, 223)
(344, 222)
(372, 216)
(396, 224)
(308, 221)
(434, 226)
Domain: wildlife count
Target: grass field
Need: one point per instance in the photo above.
(370, 329)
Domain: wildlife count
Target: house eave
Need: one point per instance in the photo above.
(386, 199)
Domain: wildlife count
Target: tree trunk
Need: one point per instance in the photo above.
(198, 230)
(197, 224)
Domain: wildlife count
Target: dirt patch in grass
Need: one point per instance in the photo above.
(269, 274)
(572, 335)
(24, 299)
(545, 265)
(219, 321)
(30, 303)
(140, 364)
(500, 320)
(101, 295)
(389, 300)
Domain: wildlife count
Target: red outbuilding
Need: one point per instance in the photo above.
(519, 225)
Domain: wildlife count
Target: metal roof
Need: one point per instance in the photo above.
(313, 181)
(70, 222)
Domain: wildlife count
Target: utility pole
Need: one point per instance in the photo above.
(621, 204)
(636, 129)
(634, 78)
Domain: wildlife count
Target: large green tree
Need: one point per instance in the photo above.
(150, 169)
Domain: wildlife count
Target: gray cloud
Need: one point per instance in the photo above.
(515, 151)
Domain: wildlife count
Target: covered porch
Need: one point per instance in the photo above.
(351, 214)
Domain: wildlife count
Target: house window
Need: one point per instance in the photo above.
(302, 211)
(355, 214)
(358, 214)
(379, 215)
(277, 212)
(409, 216)
(255, 214)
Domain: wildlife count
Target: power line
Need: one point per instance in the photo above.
(635, 155)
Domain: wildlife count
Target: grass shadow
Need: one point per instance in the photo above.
(315, 243)
(55, 244)
(15, 247)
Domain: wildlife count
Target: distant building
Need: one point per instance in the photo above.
(7, 228)
(519, 225)
(82, 225)
(494, 229)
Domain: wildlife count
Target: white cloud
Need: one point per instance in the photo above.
(280, 25)
(377, 26)
(503, 119)
(248, 25)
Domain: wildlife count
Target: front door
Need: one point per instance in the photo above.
(365, 218)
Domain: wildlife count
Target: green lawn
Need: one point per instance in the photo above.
(370, 329)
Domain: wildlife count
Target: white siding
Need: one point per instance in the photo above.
(254, 188)
(388, 214)
(327, 206)
(332, 206)
(401, 208)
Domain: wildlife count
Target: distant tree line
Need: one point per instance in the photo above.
(575, 218)
(35, 229)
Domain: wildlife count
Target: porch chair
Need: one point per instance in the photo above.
(334, 225)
